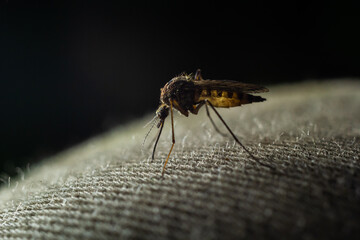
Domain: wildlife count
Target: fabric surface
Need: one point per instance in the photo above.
(107, 188)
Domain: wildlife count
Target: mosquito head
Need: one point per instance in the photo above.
(161, 113)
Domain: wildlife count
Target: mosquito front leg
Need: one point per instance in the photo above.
(173, 137)
(157, 138)
(196, 109)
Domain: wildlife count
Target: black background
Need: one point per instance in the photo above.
(72, 69)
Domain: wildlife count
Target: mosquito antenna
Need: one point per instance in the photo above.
(153, 123)
(157, 138)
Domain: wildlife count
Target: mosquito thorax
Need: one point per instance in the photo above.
(176, 89)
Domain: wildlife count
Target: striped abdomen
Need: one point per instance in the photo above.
(226, 99)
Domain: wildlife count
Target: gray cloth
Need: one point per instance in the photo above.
(107, 188)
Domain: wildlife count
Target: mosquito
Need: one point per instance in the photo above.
(187, 93)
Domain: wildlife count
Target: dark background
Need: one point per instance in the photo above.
(72, 69)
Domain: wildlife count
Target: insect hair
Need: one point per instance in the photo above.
(152, 122)
(186, 75)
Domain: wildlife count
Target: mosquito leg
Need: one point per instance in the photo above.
(196, 109)
(213, 123)
(236, 139)
(157, 138)
(173, 138)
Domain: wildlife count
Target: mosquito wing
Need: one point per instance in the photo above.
(230, 86)
(226, 93)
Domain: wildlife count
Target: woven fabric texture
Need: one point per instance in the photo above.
(107, 188)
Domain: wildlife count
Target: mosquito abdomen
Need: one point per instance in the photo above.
(226, 99)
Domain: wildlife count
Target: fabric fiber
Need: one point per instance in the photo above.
(108, 187)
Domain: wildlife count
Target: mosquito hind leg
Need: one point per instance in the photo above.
(212, 121)
(236, 139)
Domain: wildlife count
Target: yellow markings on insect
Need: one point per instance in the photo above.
(220, 101)
(204, 93)
(225, 94)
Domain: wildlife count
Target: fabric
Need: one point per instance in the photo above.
(107, 188)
